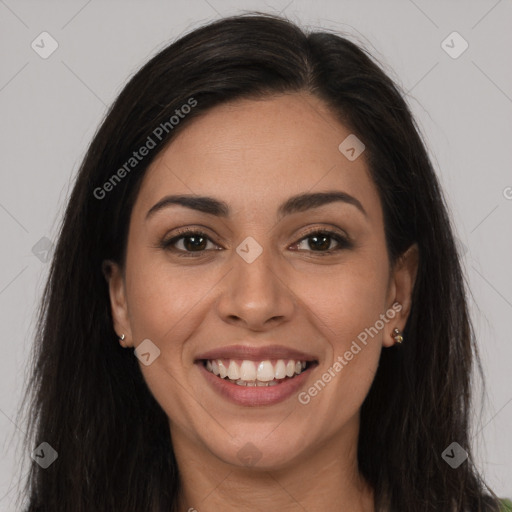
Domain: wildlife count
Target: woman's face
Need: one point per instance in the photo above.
(260, 289)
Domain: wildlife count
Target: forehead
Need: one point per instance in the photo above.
(256, 153)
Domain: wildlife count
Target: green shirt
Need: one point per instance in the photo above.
(506, 505)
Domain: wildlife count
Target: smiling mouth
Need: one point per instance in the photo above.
(264, 373)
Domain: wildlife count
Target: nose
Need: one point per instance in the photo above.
(255, 294)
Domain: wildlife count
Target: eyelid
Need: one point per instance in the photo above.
(181, 233)
(342, 238)
(331, 230)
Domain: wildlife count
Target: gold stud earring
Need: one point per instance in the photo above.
(397, 335)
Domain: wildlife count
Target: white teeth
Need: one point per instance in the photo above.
(253, 383)
(248, 370)
(223, 372)
(280, 371)
(251, 373)
(233, 371)
(265, 371)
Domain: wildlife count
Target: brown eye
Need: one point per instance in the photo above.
(321, 242)
(194, 242)
(188, 242)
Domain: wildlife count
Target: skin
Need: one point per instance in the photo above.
(255, 154)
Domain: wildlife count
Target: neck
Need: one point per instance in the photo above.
(324, 478)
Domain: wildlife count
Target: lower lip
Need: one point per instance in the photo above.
(254, 395)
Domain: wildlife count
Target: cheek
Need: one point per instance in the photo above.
(160, 301)
(347, 300)
(346, 310)
(347, 305)
(164, 306)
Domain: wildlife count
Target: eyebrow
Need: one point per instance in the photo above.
(294, 204)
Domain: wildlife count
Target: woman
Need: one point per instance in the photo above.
(255, 301)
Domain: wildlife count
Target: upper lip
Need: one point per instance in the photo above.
(259, 353)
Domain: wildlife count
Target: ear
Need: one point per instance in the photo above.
(121, 319)
(401, 287)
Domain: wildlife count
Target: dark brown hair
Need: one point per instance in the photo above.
(86, 395)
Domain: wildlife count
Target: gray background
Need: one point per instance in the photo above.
(52, 107)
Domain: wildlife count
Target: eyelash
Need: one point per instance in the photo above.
(343, 242)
